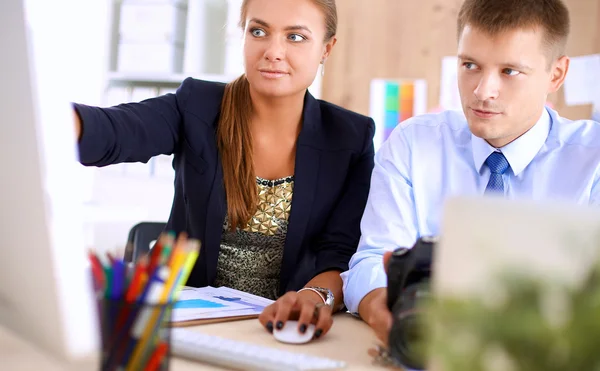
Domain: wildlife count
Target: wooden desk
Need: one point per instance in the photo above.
(349, 340)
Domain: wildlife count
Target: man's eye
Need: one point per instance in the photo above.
(511, 72)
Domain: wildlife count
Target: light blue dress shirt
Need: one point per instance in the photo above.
(431, 157)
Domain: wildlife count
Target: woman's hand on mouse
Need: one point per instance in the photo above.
(306, 307)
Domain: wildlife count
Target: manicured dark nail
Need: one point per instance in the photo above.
(279, 325)
(270, 326)
(318, 333)
(303, 328)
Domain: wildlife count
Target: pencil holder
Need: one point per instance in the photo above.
(134, 336)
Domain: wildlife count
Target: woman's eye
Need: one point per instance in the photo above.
(257, 32)
(296, 37)
(469, 65)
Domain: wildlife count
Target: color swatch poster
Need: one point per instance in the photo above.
(393, 101)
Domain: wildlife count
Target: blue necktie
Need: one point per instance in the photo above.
(497, 164)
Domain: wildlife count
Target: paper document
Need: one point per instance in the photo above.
(449, 95)
(582, 84)
(211, 302)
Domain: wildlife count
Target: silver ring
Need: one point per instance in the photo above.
(317, 307)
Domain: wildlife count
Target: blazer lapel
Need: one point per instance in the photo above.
(216, 211)
(305, 181)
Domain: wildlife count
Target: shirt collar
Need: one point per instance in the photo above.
(520, 152)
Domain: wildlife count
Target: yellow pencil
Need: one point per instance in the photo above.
(178, 258)
(193, 253)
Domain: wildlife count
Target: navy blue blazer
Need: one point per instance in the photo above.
(334, 160)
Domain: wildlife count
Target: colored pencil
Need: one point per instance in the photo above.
(137, 297)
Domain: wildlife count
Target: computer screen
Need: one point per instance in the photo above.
(46, 292)
(485, 238)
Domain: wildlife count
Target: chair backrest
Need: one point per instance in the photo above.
(141, 237)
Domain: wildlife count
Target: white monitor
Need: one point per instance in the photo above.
(482, 238)
(45, 289)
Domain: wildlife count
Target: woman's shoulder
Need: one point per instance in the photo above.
(202, 98)
(338, 114)
(195, 85)
(345, 124)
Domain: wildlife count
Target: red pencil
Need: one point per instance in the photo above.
(97, 271)
(157, 358)
(136, 281)
(156, 252)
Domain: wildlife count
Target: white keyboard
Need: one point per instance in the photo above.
(243, 356)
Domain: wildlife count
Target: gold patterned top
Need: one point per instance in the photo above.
(250, 257)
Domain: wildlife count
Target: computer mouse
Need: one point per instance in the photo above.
(291, 335)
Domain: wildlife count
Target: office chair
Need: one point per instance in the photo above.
(140, 237)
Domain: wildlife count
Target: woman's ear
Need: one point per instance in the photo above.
(328, 46)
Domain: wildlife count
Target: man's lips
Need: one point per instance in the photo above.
(484, 113)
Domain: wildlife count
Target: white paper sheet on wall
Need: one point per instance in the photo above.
(449, 96)
(582, 84)
(596, 109)
(233, 40)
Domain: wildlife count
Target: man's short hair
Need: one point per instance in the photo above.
(497, 16)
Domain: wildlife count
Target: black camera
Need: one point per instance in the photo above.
(409, 272)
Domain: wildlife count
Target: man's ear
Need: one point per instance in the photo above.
(558, 73)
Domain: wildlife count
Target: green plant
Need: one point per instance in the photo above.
(535, 325)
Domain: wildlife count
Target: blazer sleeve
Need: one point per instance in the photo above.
(339, 239)
(131, 132)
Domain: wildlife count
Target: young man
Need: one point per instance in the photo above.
(511, 56)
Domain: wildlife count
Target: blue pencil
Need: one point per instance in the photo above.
(155, 284)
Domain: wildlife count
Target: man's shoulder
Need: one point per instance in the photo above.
(567, 132)
(432, 125)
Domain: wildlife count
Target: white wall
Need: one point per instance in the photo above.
(116, 197)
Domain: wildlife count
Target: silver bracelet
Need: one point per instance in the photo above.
(315, 291)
